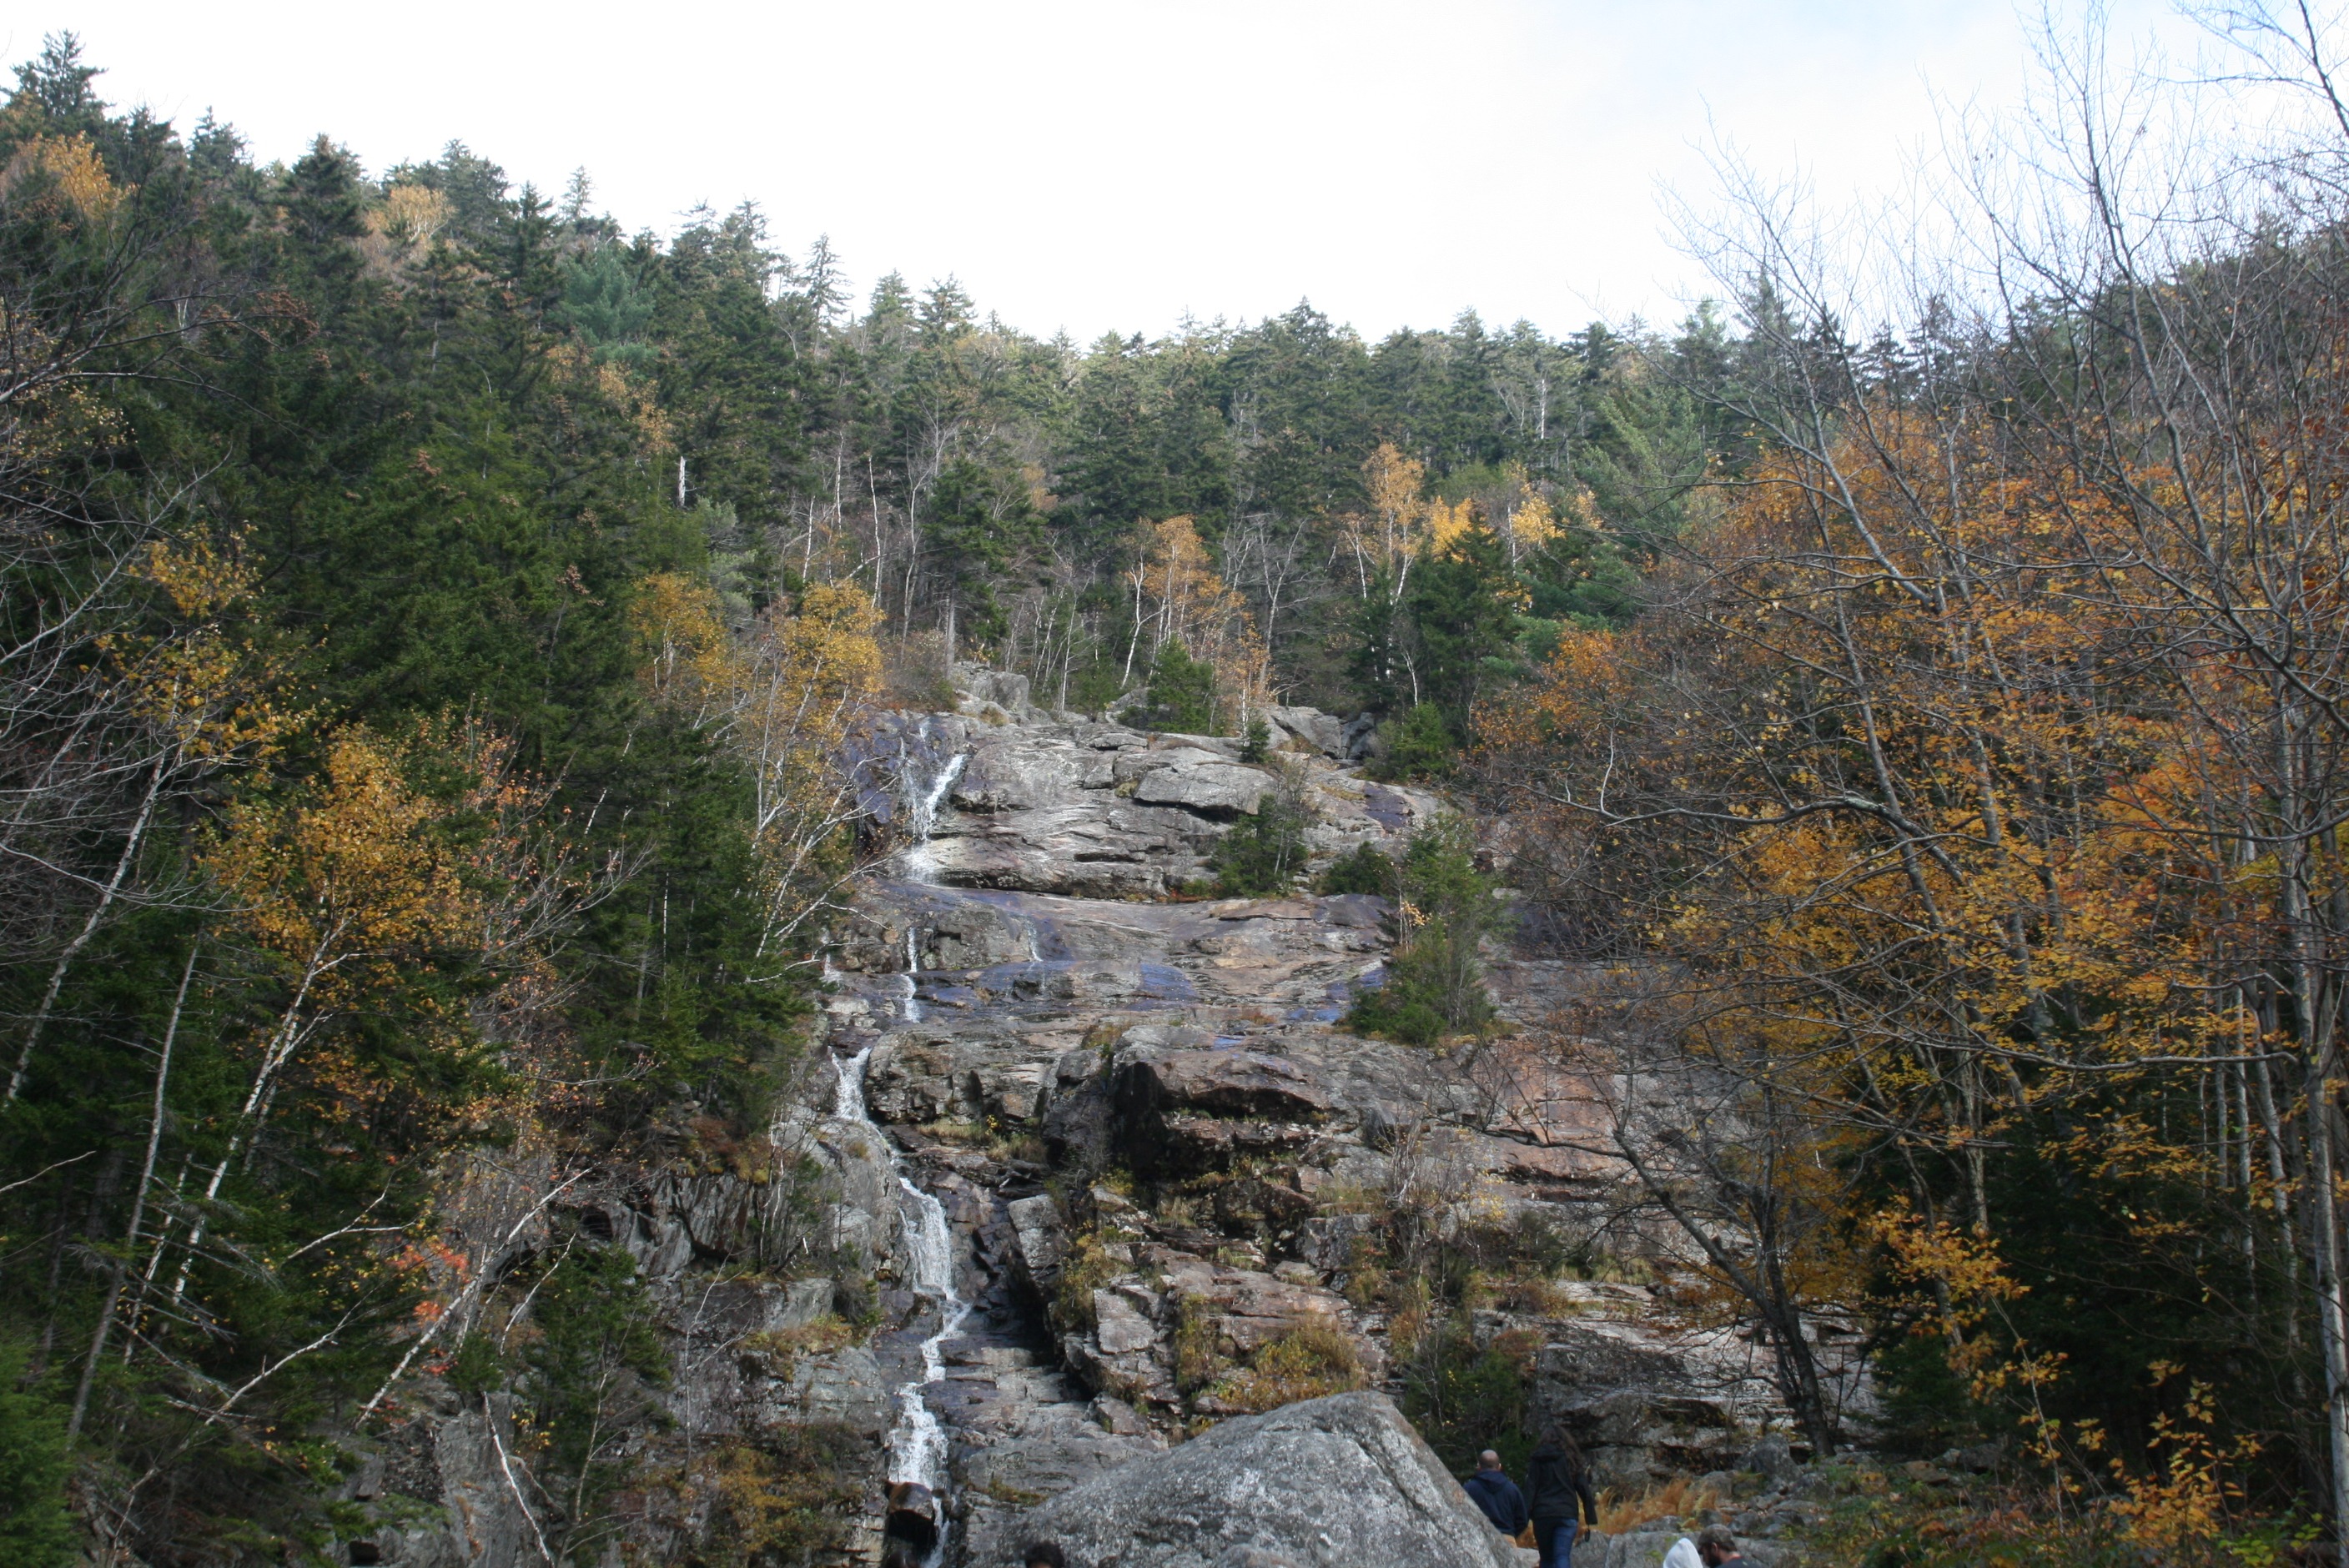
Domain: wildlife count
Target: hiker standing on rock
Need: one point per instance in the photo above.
(1492, 1490)
(1554, 1484)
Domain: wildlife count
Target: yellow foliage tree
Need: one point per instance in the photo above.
(63, 177)
(1938, 847)
(350, 894)
(783, 699)
(1179, 597)
(198, 695)
(1385, 541)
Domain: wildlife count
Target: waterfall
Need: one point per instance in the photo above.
(917, 1446)
(921, 862)
(926, 805)
(917, 1443)
(848, 1093)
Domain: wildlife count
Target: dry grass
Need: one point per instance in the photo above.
(1088, 1268)
(1306, 1363)
(1676, 1498)
(1606, 1268)
(782, 1347)
(1009, 1143)
(1350, 1198)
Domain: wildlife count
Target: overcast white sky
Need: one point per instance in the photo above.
(1116, 163)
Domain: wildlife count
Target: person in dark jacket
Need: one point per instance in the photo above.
(1554, 1484)
(1492, 1491)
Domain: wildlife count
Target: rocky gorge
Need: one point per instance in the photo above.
(1085, 1192)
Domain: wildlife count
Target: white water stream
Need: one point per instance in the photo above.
(917, 1442)
(922, 814)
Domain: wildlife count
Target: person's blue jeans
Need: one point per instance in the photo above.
(1555, 1537)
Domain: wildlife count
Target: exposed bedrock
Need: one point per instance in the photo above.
(1178, 1193)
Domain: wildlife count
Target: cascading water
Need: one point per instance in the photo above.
(912, 1011)
(917, 1442)
(917, 1447)
(926, 808)
(923, 798)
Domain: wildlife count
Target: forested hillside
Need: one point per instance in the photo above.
(437, 624)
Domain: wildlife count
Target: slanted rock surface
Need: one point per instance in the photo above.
(1343, 1481)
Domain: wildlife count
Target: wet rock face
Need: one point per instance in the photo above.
(1342, 1480)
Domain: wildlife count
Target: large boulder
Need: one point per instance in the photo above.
(1210, 786)
(1337, 1481)
(1323, 732)
(1004, 776)
(982, 686)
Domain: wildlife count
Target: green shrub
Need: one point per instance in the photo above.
(596, 1357)
(476, 1368)
(1258, 744)
(1263, 855)
(1463, 1399)
(1419, 745)
(1434, 986)
(1435, 982)
(1365, 869)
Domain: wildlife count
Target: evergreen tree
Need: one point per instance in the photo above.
(1182, 693)
(1464, 624)
(36, 1531)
